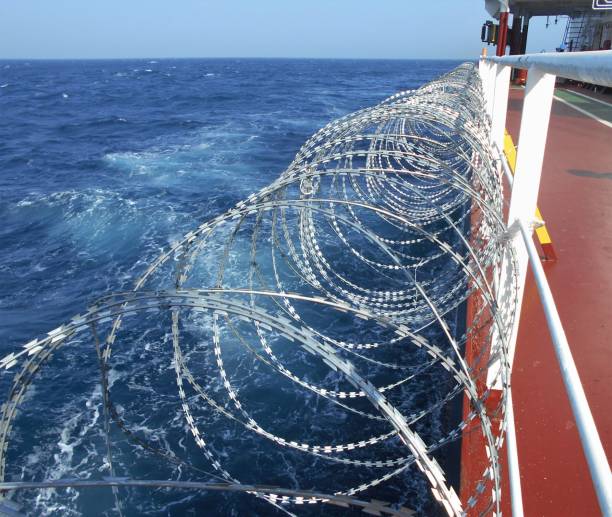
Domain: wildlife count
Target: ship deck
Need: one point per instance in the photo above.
(576, 202)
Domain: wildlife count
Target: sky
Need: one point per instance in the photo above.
(65, 29)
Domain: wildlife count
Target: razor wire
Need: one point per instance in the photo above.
(388, 222)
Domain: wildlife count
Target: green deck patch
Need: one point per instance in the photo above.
(592, 106)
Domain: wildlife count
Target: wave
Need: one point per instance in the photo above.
(92, 221)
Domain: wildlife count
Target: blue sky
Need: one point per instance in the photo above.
(250, 28)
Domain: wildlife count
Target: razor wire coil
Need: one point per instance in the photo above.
(391, 219)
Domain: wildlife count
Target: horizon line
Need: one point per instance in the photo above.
(235, 57)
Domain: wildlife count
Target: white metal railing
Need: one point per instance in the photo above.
(591, 67)
(591, 443)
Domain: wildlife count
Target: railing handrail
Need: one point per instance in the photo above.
(590, 67)
(589, 437)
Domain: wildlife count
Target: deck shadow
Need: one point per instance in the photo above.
(590, 174)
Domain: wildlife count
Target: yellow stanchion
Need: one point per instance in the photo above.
(541, 232)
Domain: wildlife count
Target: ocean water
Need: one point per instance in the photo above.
(103, 164)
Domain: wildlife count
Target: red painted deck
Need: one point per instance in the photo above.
(576, 203)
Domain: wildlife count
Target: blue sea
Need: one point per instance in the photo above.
(103, 164)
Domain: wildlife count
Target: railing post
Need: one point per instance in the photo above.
(500, 105)
(491, 71)
(487, 71)
(523, 200)
(530, 157)
(484, 69)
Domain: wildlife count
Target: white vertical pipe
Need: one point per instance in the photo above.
(491, 71)
(484, 68)
(514, 474)
(500, 105)
(500, 108)
(591, 443)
